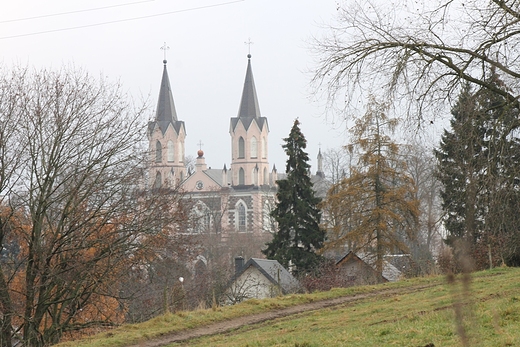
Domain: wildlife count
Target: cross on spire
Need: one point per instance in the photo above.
(200, 144)
(165, 48)
(248, 43)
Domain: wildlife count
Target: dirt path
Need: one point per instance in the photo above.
(233, 324)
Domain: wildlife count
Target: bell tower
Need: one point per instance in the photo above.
(249, 138)
(166, 136)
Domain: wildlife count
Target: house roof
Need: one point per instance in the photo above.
(274, 272)
(390, 272)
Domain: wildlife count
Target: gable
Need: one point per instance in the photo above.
(200, 182)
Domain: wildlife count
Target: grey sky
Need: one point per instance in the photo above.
(206, 60)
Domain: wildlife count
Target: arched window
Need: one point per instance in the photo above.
(267, 220)
(171, 151)
(181, 152)
(241, 222)
(158, 152)
(255, 176)
(241, 176)
(158, 180)
(254, 149)
(264, 148)
(201, 215)
(241, 148)
(266, 176)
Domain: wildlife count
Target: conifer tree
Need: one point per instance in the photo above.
(375, 206)
(479, 167)
(299, 235)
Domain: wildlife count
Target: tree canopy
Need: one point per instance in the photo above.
(419, 52)
(75, 214)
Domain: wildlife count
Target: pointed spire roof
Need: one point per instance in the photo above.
(249, 109)
(165, 106)
(249, 104)
(166, 113)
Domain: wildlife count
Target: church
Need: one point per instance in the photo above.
(234, 199)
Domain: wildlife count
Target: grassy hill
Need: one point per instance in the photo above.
(480, 310)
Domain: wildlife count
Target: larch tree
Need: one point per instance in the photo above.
(376, 204)
(76, 216)
(296, 213)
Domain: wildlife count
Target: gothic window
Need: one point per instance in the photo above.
(158, 180)
(158, 152)
(241, 148)
(201, 215)
(241, 176)
(181, 152)
(241, 217)
(255, 176)
(171, 152)
(266, 176)
(264, 148)
(254, 149)
(267, 220)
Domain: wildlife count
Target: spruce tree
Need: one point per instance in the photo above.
(298, 235)
(479, 167)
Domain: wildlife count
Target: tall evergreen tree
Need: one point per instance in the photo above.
(479, 167)
(299, 235)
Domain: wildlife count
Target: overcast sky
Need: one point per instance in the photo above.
(206, 60)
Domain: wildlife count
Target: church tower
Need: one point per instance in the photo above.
(166, 135)
(249, 134)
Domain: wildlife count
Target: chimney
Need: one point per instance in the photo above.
(239, 264)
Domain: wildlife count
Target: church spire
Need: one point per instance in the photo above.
(249, 104)
(165, 105)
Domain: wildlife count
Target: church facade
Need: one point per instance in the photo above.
(235, 199)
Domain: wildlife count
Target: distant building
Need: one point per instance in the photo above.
(260, 279)
(235, 199)
(356, 269)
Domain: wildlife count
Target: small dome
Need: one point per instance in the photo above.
(200, 153)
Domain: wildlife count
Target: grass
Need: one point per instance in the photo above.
(490, 314)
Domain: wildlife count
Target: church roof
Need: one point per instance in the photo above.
(249, 109)
(249, 104)
(166, 113)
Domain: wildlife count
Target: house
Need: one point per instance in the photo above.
(357, 270)
(259, 278)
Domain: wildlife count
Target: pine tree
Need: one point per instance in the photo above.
(299, 235)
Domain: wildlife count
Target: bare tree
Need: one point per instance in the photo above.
(419, 52)
(78, 214)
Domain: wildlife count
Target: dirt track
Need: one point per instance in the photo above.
(230, 325)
